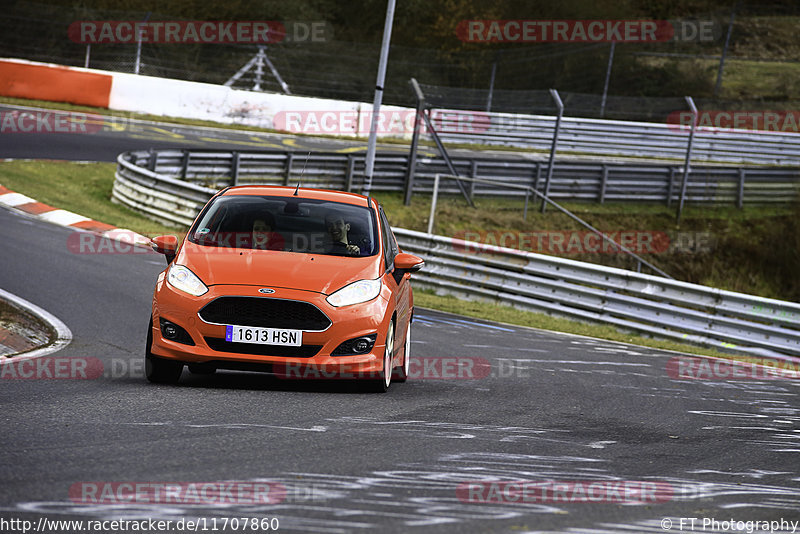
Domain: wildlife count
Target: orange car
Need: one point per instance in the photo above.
(301, 283)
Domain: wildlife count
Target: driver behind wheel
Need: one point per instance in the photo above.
(337, 232)
(263, 235)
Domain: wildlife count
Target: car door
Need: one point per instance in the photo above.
(399, 282)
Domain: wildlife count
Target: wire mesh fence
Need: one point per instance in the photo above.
(474, 76)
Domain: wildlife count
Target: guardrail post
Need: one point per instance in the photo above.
(538, 176)
(740, 194)
(412, 153)
(235, 169)
(185, 164)
(433, 203)
(473, 174)
(348, 177)
(450, 166)
(288, 175)
(671, 185)
(525, 209)
(603, 182)
(560, 105)
(688, 162)
(152, 160)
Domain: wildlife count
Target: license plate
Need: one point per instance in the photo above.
(263, 336)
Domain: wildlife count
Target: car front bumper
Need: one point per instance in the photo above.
(348, 322)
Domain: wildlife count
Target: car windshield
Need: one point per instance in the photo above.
(289, 224)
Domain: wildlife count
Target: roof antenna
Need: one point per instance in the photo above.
(297, 189)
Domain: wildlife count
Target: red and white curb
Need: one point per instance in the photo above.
(69, 219)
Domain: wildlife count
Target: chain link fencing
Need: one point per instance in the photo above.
(461, 76)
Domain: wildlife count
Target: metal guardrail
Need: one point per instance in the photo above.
(588, 181)
(545, 200)
(171, 201)
(643, 303)
(622, 138)
(650, 305)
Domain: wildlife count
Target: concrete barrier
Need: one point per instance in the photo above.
(43, 81)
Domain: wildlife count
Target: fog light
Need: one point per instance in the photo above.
(175, 333)
(358, 345)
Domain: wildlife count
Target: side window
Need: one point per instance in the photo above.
(390, 250)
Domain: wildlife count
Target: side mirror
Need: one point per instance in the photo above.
(408, 262)
(166, 245)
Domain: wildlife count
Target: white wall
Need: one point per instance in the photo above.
(193, 100)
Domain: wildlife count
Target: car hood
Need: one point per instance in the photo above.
(275, 269)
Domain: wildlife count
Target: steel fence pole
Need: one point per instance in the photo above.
(491, 83)
(688, 162)
(718, 85)
(369, 164)
(137, 63)
(608, 78)
(557, 99)
(412, 152)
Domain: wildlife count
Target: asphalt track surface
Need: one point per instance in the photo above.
(537, 407)
(107, 137)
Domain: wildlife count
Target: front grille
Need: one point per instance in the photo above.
(266, 313)
(304, 351)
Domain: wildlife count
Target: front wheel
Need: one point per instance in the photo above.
(401, 372)
(381, 384)
(159, 370)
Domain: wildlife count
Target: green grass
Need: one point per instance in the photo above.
(772, 81)
(751, 250)
(86, 189)
(748, 81)
(83, 188)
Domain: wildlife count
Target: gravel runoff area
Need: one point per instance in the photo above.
(20, 331)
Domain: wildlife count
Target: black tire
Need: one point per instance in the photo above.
(159, 370)
(400, 373)
(381, 384)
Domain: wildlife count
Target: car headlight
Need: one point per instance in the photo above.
(355, 293)
(182, 278)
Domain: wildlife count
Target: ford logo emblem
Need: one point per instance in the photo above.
(266, 290)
